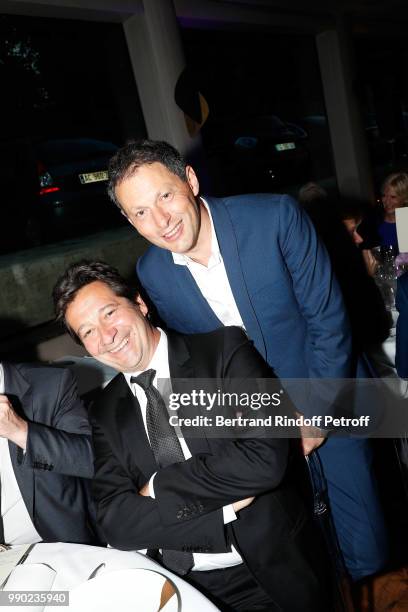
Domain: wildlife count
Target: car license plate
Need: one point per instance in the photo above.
(285, 146)
(93, 177)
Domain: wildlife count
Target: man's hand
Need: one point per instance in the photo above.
(311, 437)
(12, 426)
(145, 490)
(310, 444)
(370, 261)
(242, 503)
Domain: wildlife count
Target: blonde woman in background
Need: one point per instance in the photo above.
(394, 195)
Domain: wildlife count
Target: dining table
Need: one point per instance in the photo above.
(83, 578)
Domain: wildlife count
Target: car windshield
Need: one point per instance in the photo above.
(58, 151)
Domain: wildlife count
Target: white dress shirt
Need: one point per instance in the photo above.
(212, 280)
(18, 526)
(160, 363)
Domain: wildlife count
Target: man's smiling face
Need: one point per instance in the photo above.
(113, 329)
(162, 207)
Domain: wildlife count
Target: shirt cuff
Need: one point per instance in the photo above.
(151, 487)
(229, 514)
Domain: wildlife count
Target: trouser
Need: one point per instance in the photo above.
(232, 589)
(355, 506)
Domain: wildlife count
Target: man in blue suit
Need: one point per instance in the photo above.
(253, 261)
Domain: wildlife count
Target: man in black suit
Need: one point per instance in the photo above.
(228, 501)
(46, 457)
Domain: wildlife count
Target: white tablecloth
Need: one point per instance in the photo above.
(61, 566)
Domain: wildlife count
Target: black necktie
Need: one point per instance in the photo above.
(166, 449)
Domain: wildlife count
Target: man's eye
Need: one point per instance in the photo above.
(110, 313)
(167, 196)
(139, 213)
(87, 333)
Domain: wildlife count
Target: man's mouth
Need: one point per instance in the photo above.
(173, 232)
(120, 346)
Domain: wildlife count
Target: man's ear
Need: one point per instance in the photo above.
(142, 306)
(192, 180)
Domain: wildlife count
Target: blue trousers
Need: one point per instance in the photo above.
(355, 506)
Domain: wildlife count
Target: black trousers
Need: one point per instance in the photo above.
(232, 589)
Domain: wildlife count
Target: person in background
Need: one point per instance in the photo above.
(310, 193)
(46, 457)
(337, 221)
(352, 214)
(326, 213)
(394, 195)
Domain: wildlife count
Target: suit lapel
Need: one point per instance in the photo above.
(18, 389)
(231, 255)
(130, 423)
(129, 419)
(193, 302)
(182, 371)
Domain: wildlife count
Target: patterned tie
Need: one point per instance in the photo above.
(166, 449)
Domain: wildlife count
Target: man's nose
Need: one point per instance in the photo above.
(161, 217)
(107, 334)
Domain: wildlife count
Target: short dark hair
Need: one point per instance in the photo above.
(139, 153)
(80, 274)
(351, 208)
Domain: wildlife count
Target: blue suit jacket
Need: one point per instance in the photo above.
(282, 281)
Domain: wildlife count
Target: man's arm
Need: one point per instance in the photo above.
(320, 301)
(241, 467)
(130, 521)
(64, 445)
(317, 292)
(241, 470)
(321, 304)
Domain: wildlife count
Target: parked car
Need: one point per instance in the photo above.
(72, 178)
(257, 154)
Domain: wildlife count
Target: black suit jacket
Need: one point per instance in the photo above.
(53, 474)
(273, 534)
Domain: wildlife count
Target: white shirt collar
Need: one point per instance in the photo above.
(215, 257)
(159, 361)
(1, 378)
